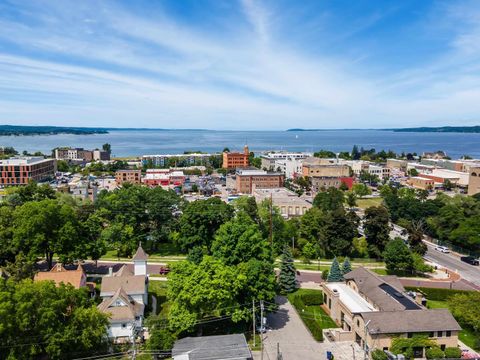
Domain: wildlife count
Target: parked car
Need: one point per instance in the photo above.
(164, 270)
(470, 260)
(443, 249)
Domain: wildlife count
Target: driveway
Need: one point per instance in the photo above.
(296, 342)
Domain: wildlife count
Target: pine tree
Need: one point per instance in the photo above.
(287, 278)
(335, 274)
(346, 267)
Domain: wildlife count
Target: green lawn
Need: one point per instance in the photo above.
(366, 203)
(159, 290)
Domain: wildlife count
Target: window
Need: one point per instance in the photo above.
(439, 333)
(358, 323)
(431, 334)
(124, 325)
(329, 303)
(409, 335)
(442, 347)
(448, 333)
(385, 348)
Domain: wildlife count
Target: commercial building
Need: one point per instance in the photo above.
(325, 182)
(21, 170)
(374, 310)
(397, 164)
(474, 181)
(177, 160)
(289, 203)
(234, 160)
(269, 159)
(421, 182)
(291, 167)
(163, 177)
(249, 179)
(317, 167)
(128, 176)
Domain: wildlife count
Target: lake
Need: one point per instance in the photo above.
(143, 142)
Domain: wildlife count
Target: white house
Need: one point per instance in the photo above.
(124, 296)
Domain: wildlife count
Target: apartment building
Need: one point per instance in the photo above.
(291, 167)
(80, 154)
(474, 181)
(289, 203)
(128, 176)
(234, 160)
(373, 310)
(174, 160)
(21, 170)
(249, 179)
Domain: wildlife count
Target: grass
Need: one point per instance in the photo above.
(159, 290)
(313, 316)
(437, 304)
(366, 203)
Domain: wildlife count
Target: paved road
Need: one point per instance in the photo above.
(468, 272)
(296, 342)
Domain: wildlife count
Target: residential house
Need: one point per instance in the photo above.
(373, 310)
(59, 274)
(124, 296)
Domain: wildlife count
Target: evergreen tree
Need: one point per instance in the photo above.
(335, 274)
(287, 278)
(346, 267)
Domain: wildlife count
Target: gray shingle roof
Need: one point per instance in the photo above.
(127, 312)
(131, 284)
(394, 322)
(374, 288)
(140, 254)
(221, 347)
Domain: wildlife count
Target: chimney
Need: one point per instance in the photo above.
(110, 271)
(418, 297)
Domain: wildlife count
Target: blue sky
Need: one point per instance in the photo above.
(240, 64)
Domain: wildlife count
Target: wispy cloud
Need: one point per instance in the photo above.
(106, 63)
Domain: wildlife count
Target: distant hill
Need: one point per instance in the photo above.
(17, 130)
(456, 129)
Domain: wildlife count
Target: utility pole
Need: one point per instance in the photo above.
(365, 345)
(253, 320)
(279, 354)
(134, 342)
(261, 328)
(293, 243)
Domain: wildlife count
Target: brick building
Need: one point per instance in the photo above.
(128, 176)
(19, 171)
(250, 179)
(234, 160)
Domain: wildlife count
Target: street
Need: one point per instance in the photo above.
(468, 272)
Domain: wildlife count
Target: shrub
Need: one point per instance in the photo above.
(297, 301)
(453, 353)
(312, 298)
(434, 353)
(437, 294)
(325, 274)
(378, 354)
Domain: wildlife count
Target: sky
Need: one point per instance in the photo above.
(240, 64)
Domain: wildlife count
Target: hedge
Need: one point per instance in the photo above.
(437, 294)
(312, 298)
(453, 353)
(297, 301)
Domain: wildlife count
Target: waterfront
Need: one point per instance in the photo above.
(140, 142)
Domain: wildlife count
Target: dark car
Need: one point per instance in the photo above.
(470, 260)
(164, 270)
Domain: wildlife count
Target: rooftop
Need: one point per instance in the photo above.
(121, 307)
(219, 347)
(59, 275)
(27, 160)
(350, 298)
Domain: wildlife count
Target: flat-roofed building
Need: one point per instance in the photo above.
(234, 160)
(163, 177)
(128, 176)
(397, 164)
(474, 181)
(21, 170)
(421, 182)
(289, 203)
(317, 167)
(269, 158)
(320, 183)
(374, 310)
(249, 179)
(178, 160)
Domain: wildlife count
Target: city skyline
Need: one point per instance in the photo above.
(240, 64)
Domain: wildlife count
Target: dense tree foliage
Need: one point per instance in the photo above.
(335, 274)
(287, 279)
(40, 319)
(377, 230)
(398, 257)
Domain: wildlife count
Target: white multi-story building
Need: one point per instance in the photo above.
(269, 158)
(290, 167)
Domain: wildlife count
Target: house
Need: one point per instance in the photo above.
(373, 310)
(219, 347)
(289, 203)
(59, 275)
(124, 296)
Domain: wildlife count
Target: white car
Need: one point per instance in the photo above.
(443, 249)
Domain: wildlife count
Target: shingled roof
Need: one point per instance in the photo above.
(219, 347)
(394, 322)
(121, 307)
(387, 293)
(59, 275)
(140, 254)
(131, 284)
